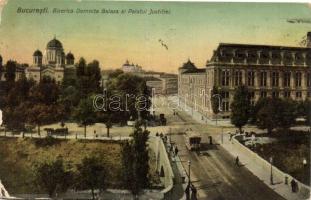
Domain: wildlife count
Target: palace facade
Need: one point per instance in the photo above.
(276, 71)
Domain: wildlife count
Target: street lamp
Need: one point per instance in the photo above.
(189, 182)
(271, 174)
(219, 102)
(304, 162)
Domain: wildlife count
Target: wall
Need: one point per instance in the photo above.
(278, 175)
(156, 145)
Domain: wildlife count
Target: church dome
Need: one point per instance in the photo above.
(54, 44)
(37, 53)
(70, 56)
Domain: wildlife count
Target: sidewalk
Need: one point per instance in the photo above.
(264, 175)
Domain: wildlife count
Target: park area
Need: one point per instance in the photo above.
(289, 150)
(19, 157)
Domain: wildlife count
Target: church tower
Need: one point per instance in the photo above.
(37, 58)
(70, 59)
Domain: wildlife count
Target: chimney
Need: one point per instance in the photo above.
(309, 39)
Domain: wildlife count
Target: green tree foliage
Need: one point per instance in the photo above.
(10, 70)
(133, 91)
(240, 107)
(84, 113)
(40, 114)
(15, 118)
(69, 98)
(275, 113)
(88, 77)
(137, 169)
(52, 177)
(92, 174)
(266, 118)
(45, 92)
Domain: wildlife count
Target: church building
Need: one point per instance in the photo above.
(53, 63)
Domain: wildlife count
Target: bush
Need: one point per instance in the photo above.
(47, 141)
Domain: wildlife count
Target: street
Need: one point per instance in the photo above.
(213, 170)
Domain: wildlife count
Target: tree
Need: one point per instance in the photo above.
(266, 116)
(45, 92)
(92, 174)
(52, 177)
(10, 71)
(127, 165)
(286, 113)
(40, 114)
(129, 87)
(138, 168)
(240, 107)
(275, 113)
(85, 114)
(14, 118)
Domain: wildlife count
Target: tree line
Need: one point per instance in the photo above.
(26, 102)
(267, 113)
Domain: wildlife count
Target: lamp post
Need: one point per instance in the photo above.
(189, 181)
(304, 162)
(271, 174)
(219, 102)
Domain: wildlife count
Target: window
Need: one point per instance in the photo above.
(225, 95)
(287, 94)
(252, 97)
(286, 79)
(225, 106)
(298, 79)
(275, 94)
(251, 78)
(238, 78)
(263, 79)
(308, 79)
(225, 78)
(298, 95)
(275, 79)
(263, 94)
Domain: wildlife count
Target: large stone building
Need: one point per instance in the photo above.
(53, 63)
(276, 71)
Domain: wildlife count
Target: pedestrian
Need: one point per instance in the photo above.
(292, 183)
(176, 150)
(193, 193)
(230, 136)
(187, 192)
(237, 161)
(171, 148)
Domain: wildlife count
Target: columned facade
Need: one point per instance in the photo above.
(267, 71)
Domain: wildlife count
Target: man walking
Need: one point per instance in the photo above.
(237, 161)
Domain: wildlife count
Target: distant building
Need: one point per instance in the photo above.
(131, 68)
(155, 84)
(276, 71)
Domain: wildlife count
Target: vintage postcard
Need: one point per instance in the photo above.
(123, 100)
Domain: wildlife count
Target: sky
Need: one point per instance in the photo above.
(191, 30)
